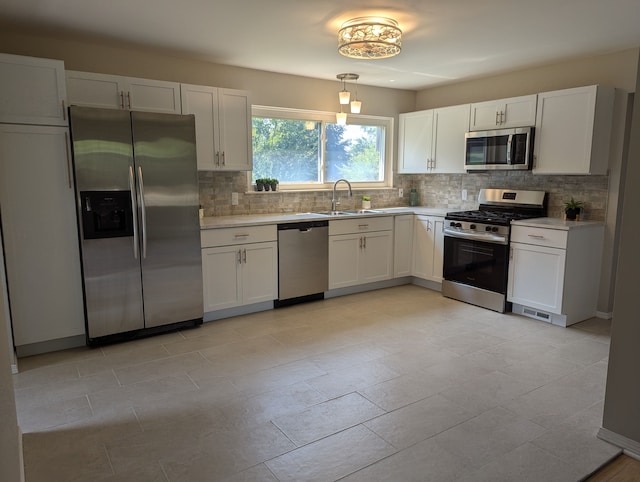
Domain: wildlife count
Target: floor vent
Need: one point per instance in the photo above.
(540, 315)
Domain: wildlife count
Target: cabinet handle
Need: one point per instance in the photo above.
(501, 117)
(66, 148)
(121, 99)
(497, 114)
(511, 253)
(363, 226)
(244, 256)
(364, 242)
(536, 236)
(241, 235)
(223, 160)
(239, 256)
(129, 100)
(428, 225)
(64, 111)
(360, 242)
(217, 158)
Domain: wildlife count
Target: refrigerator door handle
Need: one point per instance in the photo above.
(134, 210)
(144, 213)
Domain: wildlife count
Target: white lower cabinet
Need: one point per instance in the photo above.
(554, 273)
(40, 234)
(428, 247)
(360, 251)
(239, 273)
(402, 245)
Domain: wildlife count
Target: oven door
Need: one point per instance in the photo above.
(476, 263)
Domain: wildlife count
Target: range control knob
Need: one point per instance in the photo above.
(494, 229)
(452, 224)
(458, 225)
(488, 228)
(473, 226)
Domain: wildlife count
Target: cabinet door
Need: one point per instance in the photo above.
(202, 102)
(573, 131)
(402, 245)
(259, 272)
(415, 144)
(519, 111)
(221, 271)
(504, 113)
(153, 95)
(117, 92)
(33, 91)
(376, 257)
(344, 260)
(536, 277)
(422, 247)
(450, 126)
(95, 90)
(437, 235)
(234, 114)
(40, 234)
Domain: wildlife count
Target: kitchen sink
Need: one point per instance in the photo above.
(350, 212)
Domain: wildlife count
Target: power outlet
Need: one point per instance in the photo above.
(464, 194)
(400, 192)
(234, 198)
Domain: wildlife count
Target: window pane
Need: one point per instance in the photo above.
(288, 150)
(355, 152)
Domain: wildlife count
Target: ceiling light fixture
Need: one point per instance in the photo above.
(344, 96)
(370, 38)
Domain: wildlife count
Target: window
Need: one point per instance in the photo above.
(308, 150)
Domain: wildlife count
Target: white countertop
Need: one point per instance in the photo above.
(556, 223)
(214, 222)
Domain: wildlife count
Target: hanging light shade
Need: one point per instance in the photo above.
(341, 118)
(355, 103)
(370, 38)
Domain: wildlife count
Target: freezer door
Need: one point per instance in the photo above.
(103, 163)
(168, 202)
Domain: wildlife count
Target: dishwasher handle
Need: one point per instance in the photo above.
(304, 226)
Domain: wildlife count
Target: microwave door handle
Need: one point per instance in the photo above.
(510, 145)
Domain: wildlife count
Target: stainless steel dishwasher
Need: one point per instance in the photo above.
(303, 261)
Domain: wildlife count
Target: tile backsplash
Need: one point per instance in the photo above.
(434, 190)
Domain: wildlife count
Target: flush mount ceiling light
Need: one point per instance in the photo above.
(370, 38)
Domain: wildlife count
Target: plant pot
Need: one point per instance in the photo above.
(572, 214)
(266, 187)
(366, 204)
(274, 186)
(260, 187)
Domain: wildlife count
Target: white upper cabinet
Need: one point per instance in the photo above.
(432, 141)
(504, 113)
(415, 144)
(573, 131)
(32, 91)
(117, 92)
(223, 126)
(450, 125)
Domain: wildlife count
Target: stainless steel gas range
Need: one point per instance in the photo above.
(476, 246)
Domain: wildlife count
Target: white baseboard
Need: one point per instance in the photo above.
(630, 447)
(604, 315)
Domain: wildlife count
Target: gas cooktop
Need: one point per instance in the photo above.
(501, 206)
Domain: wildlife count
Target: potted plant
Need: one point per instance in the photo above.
(572, 209)
(273, 183)
(366, 202)
(260, 183)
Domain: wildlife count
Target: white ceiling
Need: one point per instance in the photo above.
(443, 41)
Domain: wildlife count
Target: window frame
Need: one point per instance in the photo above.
(330, 117)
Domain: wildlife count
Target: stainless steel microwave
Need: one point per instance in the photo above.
(499, 149)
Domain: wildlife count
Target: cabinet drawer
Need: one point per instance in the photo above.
(554, 238)
(239, 235)
(360, 225)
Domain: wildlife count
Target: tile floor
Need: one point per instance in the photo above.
(396, 384)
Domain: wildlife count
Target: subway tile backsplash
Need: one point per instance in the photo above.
(434, 190)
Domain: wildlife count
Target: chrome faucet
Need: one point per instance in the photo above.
(334, 201)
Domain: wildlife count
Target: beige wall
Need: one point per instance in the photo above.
(616, 70)
(266, 88)
(622, 401)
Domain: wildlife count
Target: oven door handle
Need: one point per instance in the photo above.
(488, 238)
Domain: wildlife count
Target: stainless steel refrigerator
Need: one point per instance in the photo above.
(137, 201)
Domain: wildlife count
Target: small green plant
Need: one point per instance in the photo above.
(366, 198)
(573, 204)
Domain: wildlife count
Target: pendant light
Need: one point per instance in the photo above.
(355, 103)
